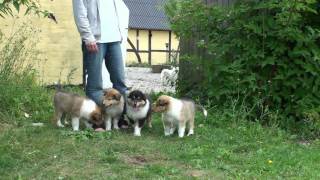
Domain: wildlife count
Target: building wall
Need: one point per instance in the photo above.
(60, 44)
(158, 42)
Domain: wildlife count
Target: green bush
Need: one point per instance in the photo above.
(22, 99)
(259, 51)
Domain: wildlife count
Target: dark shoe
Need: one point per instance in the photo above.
(123, 124)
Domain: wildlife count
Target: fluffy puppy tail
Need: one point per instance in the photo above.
(201, 108)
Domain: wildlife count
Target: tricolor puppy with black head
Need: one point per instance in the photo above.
(78, 107)
(138, 110)
(113, 105)
(177, 112)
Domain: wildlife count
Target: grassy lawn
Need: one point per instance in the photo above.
(220, 149)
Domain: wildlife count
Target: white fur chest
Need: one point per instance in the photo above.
(88, 106)
(140, 113)
(113, 111)
(174, 112)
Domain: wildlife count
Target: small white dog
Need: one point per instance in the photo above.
(169, 76)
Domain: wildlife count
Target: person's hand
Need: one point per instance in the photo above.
(92, 47)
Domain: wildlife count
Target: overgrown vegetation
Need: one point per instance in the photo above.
(21, 96)
(266, 54)
(7, 7)
(225, 146)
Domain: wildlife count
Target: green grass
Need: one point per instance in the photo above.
(225, 146)
(220, 149)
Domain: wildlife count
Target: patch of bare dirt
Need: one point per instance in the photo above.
(136, 160)
(5, 126)
(196, 173)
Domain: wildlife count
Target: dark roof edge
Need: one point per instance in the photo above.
(153, 29)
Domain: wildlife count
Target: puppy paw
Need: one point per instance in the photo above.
(124, 127)
(190, 133)
(167, 134)
(60, 125)
(137, 131)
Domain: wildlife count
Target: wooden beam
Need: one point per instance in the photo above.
(149, 47)
(147, 51)
(170, 34)
(134, 50)
(138, 38)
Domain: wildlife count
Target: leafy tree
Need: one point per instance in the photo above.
(265, 51)
(7, 7)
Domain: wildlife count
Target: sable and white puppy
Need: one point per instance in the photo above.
(169, 76)
(113, 103)
(78, 107)
(138, 110)
(177, 112)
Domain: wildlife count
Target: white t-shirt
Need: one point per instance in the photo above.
(110, 29)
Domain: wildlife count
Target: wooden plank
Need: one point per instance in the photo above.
(147, 51)
(134, 50)
(138, 38)
(170, 34)
(149, 47)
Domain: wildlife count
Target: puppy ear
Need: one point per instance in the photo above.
(153, 107)
(162, 102)
(128, 91)
(105, 91)
(117, 97)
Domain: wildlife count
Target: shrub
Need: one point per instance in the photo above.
(21, 99)
(259, 51)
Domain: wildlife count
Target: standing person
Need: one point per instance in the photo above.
(98, 24)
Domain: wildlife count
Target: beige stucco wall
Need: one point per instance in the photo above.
(158, 42)
(60, 43)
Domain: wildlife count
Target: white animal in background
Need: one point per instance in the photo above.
(169, 76)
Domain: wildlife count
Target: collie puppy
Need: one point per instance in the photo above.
(78, 107)
(177, 112)
(113, 106)
(138, 110)
(169, 76)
